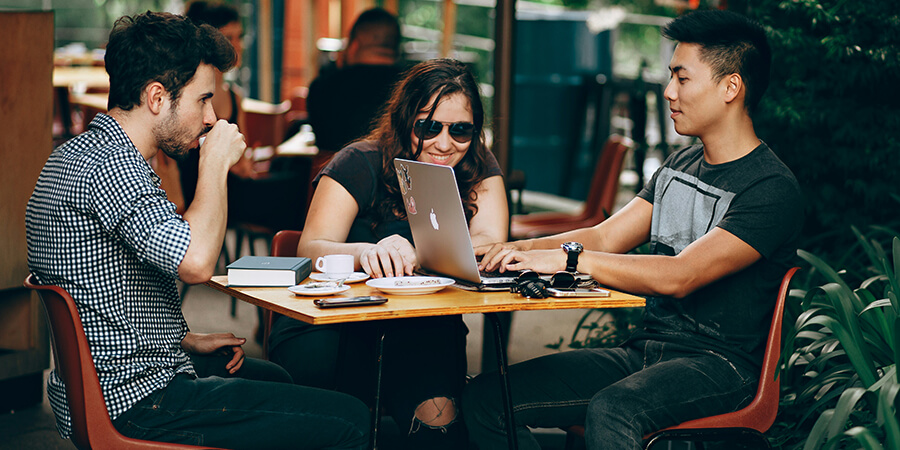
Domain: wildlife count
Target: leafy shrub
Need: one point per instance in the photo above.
(839, 382)
(831, 111)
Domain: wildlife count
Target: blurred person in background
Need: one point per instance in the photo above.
(343, 104)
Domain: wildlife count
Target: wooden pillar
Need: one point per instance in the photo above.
(299, 55)
(265, 51)
(26, 69)
(449, 28)
(504, 65)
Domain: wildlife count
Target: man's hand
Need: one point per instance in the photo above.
(496, 256)
(541, 261)
(391, 256)
(219, 343)
(224, 143)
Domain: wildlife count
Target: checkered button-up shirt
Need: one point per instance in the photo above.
(99, 226)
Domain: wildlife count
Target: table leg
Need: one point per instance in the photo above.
(376, 410)
(503, 368)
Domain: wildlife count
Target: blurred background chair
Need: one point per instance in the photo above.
(91, 425)
(264, 122)
(598, 205)
(283, 244)
(264, 126)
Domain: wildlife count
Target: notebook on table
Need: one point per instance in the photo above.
(439, 227)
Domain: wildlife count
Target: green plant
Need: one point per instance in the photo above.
(602, 328)
(840, 358)
(835, 78)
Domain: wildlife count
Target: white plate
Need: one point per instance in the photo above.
(302, 289)
(355, 277)
(409, 285)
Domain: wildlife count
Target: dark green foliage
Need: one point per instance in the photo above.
(839, 383)
(832, 112)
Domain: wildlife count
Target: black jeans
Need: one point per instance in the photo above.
(618, 394)
(265, 412)
(424, 358)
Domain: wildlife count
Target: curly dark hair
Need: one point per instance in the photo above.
(163, 47)
(393, 133)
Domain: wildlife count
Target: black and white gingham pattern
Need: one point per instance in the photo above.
(99, 226)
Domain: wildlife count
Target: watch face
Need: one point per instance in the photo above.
(573, 247)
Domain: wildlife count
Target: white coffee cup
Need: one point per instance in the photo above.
(335, 266)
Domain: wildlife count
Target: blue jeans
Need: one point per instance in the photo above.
(618, 394)
(264, 412)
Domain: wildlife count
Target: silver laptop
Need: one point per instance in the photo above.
(440, 231)
(439, 228)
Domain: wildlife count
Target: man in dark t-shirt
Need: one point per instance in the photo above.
(343, 103)
(721, 218)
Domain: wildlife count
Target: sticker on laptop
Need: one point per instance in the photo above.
(411, 206)
(404, 178)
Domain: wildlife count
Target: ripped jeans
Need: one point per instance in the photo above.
(424, 359)
(618, 394)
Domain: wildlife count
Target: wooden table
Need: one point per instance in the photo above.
(76, 80)
(449, 301)
(82, 77)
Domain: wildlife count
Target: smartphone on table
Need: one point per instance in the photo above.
(577, 292)
(338, 302)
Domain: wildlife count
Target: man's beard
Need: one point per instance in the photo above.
(173, 140)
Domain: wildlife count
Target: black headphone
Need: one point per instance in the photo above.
(530, 285)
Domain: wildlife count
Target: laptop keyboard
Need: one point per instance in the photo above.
(498, 274)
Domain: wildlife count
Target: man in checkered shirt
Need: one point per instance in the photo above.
(99, 226)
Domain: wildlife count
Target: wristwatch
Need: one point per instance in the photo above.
(572, 249)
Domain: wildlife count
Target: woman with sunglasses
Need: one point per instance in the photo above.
(435, 115)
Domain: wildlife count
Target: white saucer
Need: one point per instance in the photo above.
(409, 285)
(302, 289)
(355, 277)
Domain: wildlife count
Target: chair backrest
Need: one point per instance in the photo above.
(91, 425)
(283, 244)
(760, 413)
(264, 123)
(605, 183)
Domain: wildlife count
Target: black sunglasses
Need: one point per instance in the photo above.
(559, 280)
(429, 129)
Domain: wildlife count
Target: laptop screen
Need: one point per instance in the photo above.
(437, 219)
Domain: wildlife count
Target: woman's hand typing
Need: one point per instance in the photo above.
(391, 256)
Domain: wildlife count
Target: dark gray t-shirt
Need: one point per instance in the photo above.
(755, 198)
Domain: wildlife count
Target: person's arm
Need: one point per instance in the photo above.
(222, 343)
(491, 222)
(715, 255)
(623, 231)
(207, 214)
(331, 214)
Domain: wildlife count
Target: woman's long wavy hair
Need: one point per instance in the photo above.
(393, 133)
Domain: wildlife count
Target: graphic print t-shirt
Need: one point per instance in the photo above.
(756, 198)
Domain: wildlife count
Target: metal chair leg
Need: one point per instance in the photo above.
(376, 410)
(512, 438)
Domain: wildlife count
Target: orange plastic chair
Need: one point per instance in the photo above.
(91, 425)
(283, 244)
(264, 122)
(745, 425)
(598, 206)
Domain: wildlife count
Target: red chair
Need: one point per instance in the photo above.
(283, 244)
(91, 425)
(746, 425)
(598, 206)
